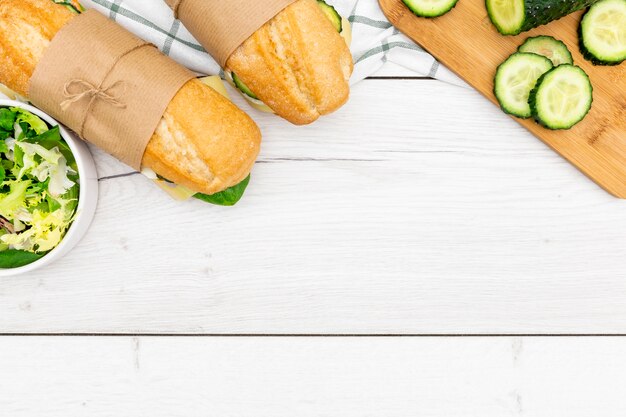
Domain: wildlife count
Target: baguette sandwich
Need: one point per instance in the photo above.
(203, 141)
(298, 65)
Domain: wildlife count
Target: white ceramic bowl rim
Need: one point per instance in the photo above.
(87, 197)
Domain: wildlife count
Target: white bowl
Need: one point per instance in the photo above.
(87, 198)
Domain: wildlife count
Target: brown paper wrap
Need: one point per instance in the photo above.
(222, 26)
(107, 85)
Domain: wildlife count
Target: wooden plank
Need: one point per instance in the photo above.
(353, 225)
(467, 43)
(192, 377)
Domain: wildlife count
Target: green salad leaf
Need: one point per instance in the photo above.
(7, 120)
(51, 139)
(14, 198)
(228, 197)
(15, 258)
(33, 122)
(39, 187)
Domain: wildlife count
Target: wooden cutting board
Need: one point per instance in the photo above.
(466, 42)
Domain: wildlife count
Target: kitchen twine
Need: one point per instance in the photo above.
(106, 84)
(96, 92)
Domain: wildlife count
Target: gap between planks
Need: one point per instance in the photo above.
(372, 78)
(320, 336)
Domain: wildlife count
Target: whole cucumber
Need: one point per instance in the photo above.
(512, 17)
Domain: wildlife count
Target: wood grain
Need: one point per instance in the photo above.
(352, 225)
(312, 377)
(467, 43)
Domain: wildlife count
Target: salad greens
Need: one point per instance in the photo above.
(38, 187)
(228, 197)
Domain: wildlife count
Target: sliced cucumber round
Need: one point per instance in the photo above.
(508, 16)
(603, 33)
(553, 49)
(430, 8)
(331, 14)
(562, 97)
(514, 80)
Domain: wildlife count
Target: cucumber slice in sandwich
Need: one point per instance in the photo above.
(72, 5)
(242, 87)
(430, 8)
(341, 24)
(511, 17)
(553, 49)
(246, 93)
(331, 14)
(515, 78)
(562, 97)
(602, 33)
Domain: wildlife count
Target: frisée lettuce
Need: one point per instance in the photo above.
(38, 187)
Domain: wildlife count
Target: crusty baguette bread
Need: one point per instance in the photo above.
(203, 142)
(296, 63)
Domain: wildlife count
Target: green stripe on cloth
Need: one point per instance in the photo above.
(370, 22)
(114, 8)
(167, 46)
(386, 47)
(133, 16)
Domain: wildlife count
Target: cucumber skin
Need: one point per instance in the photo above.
(242, 87)
(541, 12)
(588, 55)
(532, 100)
(418, 14)
(336, 17)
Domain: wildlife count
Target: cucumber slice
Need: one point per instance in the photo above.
(331, 14)
(602, 33)
(430, 8)
(242, 87)
(553, 49)
(562, 97)
(514, 80)
(511, 17)
(507, 15)
(254, 102)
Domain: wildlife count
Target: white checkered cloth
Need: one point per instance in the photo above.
(375, 40)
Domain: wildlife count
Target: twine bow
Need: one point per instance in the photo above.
(88, 90)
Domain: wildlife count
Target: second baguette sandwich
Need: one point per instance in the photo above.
(203, 141)
(285, 56)
(297, 64)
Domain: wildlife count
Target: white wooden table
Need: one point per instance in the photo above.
(418, 209)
